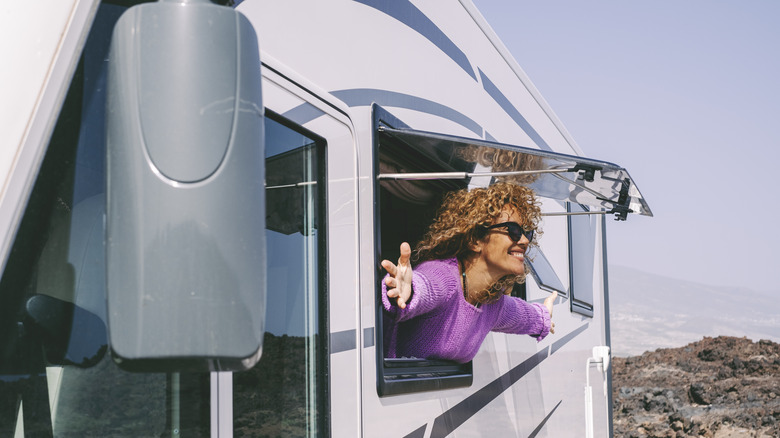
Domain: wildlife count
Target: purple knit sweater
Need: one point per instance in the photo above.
(438, 322)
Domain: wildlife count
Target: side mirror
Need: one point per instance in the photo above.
(185, 217)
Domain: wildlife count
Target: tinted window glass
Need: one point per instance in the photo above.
(543, 272)
(582, 240)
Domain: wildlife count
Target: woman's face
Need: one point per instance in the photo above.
(500, 255)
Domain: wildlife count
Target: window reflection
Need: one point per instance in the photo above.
(281, 395)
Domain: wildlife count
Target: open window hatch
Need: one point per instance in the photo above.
(605, 187)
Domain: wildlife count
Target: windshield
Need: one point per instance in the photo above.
(56, 376)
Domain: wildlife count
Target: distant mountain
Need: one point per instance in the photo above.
(649, 311)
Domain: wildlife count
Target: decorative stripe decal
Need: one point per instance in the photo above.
(342, 341)
(510, 109)
(445, 423)
(368, 96)
(368, 337)
(408, 14)
(450, 420)
(345, 340)
(541, 425)
(564, 340)
(419, 433)
(303, 113)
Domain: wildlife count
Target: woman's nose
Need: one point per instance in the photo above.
(523, 240)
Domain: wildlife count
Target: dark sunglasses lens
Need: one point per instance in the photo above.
(516, 232)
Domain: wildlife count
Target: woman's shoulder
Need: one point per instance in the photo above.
(443, 273)
(452, 262)
(447, 266)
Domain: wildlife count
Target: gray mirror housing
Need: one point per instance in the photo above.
(185, 216)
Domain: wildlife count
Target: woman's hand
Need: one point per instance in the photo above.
(399, 283)
(548, 303)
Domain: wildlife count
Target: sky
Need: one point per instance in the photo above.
(686, 96)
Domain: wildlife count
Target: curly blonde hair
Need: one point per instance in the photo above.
(461, 220)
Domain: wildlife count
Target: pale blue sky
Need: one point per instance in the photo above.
(686, 96)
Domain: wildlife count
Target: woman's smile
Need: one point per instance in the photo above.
(518, 254)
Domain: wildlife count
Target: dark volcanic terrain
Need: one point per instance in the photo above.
(718, 387)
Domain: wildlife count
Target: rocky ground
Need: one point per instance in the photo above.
(718, 387)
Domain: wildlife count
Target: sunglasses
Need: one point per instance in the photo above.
(515, 231)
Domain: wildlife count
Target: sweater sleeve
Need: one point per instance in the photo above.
(433, 283)
(520, 317)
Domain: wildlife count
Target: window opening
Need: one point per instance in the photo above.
(414, 169)
(285, 393)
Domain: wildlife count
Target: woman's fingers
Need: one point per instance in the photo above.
(389, 267)
(399, 282)
(406, 253)
(403, 276)
(549, 301)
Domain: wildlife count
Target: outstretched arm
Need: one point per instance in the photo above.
(521, 317)
(399, 282)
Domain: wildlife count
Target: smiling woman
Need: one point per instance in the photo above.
(473, 254)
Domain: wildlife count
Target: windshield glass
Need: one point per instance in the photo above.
(56, 375)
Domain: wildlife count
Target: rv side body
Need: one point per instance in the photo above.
(328, 69)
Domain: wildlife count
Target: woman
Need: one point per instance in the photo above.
(472, 255)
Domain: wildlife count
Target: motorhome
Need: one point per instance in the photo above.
(195, 198)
